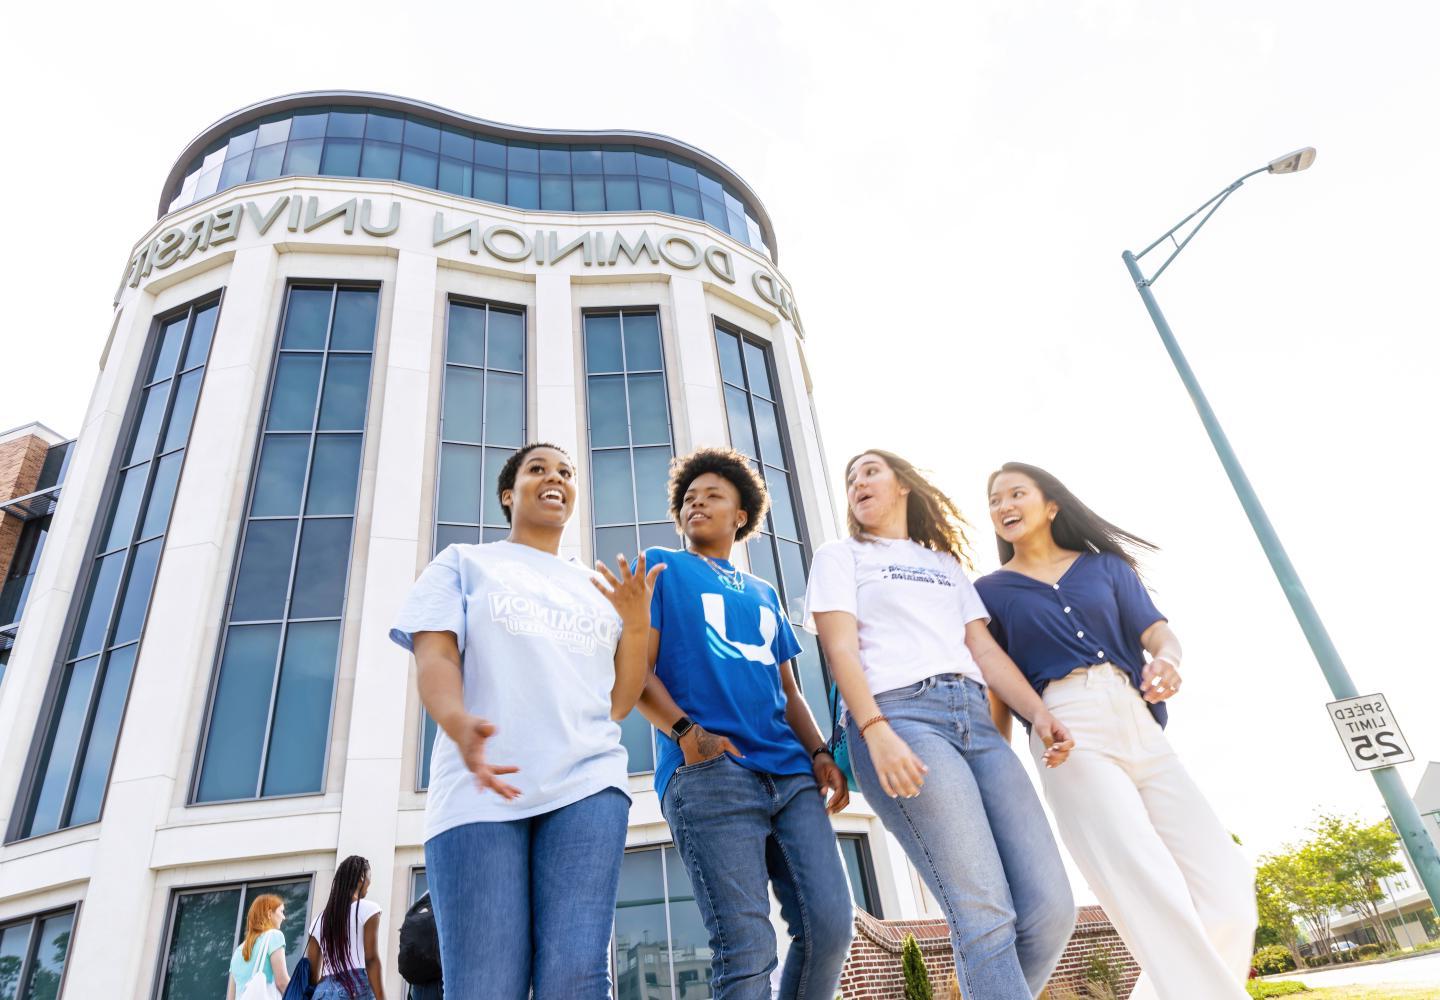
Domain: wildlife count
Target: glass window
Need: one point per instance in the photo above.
(33, 951)
(555, 192)
(385, 126)
(81, 724)
(418, 167)
(621, 194)
(660, 948)
(523, 156)
(855, 851)
(268, 720)
(586, 160)
(618, 160)
(458, 145)
(489, 183)
(630, 441)
(490, 152)
(522, 190)
(554, 160)
(589, 194)
(482, 422)
(22, 571)
(206, 925)
(341, 159)
(780, 551)
(380, 160)
(422, 136)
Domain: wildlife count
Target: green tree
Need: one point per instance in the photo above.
(1277, 916)
(1303, 883)
(917, 978)
(1358, 857)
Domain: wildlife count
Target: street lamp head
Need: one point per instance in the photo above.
(1293, 163)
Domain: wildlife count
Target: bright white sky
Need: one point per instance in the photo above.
(952, 186)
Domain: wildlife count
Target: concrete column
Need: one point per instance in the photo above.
(556, 410)
(699, 376)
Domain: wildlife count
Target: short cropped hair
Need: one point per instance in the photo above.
(729, 464)
(511, 469)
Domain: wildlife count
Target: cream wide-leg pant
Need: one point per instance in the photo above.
(1168, 874)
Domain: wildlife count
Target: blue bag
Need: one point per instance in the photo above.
(300, 987)
(838, 743)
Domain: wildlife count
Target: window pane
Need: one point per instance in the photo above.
(662, 534)
(50, 953)
(292, 400)
(202, 937)
(652, 165)
(555, 193)
(642, 342)
(742, 431)
(782, 504)
(454, 534)
(281, 478)
(147, 428)
(418, 167)
(320, 569)
(714, 213)
(296, 763)
(494, 461)
(168, 351)
(589, 194)
(464, 390)
(348, 123)
(683, 173)
(687, 202)
(242, 703)
(621, 195)
(355, 319)
(489, 534)
(303, 156)
(607, 411)
(655, 195)
(457, 144)
(792, 566)
(507, 340)
(613, 489)
(347, 385)
(490, 152)
(504, 408)
(74, 701)
(524, 157)
(162, 495)
(235, 170)
(455, 176)
(760, 549)
(341, 159)
(104, 581)
(489, 183)
(333, 476)
(642, 965)
(14, 946)
(727, 345)
(264, 571)
(554, 160)
(585, 160)
(813, 683)
(465, 336)
(636, 737)
(302, 126)
(125, 507)
(459, 483)
(267, 162)
(649, 423)
(380, 125)
(104, 731)
(523, 190)
(602, 344)
(380, 160)
(652, 476)
(181, 414)
(758, 370)
(306, 318)
(136, 599)
(421, 135)
(610, 542)
(767, 429)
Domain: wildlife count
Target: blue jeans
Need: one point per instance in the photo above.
(332, 988)
(740, 831)
(527, 904)
(978, 837)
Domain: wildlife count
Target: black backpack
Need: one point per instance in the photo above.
(420, 945)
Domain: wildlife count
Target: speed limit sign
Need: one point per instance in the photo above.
(1369, 732)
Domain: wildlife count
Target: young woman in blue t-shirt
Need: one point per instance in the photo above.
(1073, 614)
(743, 775)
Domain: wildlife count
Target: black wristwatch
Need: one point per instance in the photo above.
(822, 748)
(682, 726)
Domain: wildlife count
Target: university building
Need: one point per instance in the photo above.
(351, 308)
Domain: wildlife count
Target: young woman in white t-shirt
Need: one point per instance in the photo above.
(905, 636)
(527, 661)
(344, 945)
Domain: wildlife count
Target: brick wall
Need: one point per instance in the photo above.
(873, 970)
(21, 459)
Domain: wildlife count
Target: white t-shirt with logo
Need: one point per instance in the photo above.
(538, 646)
(360, 913)
(911, 605)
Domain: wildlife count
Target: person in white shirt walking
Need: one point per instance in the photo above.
(344, 943)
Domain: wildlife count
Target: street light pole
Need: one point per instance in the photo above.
(1402, 808)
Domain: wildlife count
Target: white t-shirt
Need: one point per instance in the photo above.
(538, 645)
(360, 913)
(911, 605)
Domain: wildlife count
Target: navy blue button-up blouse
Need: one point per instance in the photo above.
(1095, 614)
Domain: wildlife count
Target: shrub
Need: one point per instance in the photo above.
(1281, 988)
(1273, 958)
(1368, 951)
(917, 977)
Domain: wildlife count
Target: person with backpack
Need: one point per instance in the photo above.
(257, 967)
(345, 938)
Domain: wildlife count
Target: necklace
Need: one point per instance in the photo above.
(732, 579)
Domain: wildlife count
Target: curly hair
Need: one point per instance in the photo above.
(730, 465)
(931, 518)
(511, 469)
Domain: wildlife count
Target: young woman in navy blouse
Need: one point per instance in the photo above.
(1069, 608)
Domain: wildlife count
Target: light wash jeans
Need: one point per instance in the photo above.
(740, 831)
(978, 836)
(333, 988)
(527, 904)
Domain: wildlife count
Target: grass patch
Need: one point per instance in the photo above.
(1377, 992)
(1262, 990)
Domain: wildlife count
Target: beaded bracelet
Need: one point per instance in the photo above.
(870, 722)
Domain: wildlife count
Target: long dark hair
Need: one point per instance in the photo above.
(335, 923)
(931, 518)
(1076, 527)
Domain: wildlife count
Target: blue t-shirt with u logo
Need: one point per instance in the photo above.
(723, 636)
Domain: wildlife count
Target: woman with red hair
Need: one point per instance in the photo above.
(257, 968)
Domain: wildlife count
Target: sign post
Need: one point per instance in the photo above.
(1369, 732)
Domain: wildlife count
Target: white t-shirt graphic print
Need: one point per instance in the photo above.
(911, 605)
(538, 646)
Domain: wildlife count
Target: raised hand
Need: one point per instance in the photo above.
(1160, 680)
(473, 732)
(629, 593)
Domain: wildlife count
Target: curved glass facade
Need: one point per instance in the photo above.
(352, 141)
